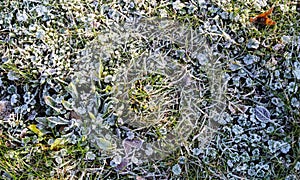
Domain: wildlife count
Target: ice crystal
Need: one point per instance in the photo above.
(90, 156)
(237, 129)
(22, 17)
(177, 5)
(297, 166)
(250, 59)
(176, 169)
(253, 44)
(41, 10)
(196, 151)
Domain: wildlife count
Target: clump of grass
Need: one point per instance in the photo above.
(157, 91)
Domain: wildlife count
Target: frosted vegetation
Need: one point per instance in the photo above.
(149, 90)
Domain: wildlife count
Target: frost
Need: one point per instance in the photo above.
(11, 75)
(108, 78)
(250, 59)
(297, 166)
(181, 160)
(285, 147)
(22, 17)
(262, 114)
(176, 169)
(224, 15)
(229, 163)
(285, 39)
(58, 160)
(253, 44)
(202, 59)
(256, 152)
(261, 3)
(41, 10)
(237, 129)
(145, 88)
(296, 71)
(295, 102)
(277, 47)
(14, 99)
(40, 34)
(196, 151)
(90, 155)
(274, 146)
(177, 5)
(130, 135)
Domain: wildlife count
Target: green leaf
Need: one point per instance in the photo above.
(34, 129)
(58, 143)
(100, 73)
(92, 116)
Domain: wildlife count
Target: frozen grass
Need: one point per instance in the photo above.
(253, 92)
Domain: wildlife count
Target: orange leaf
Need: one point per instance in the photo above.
(263, 18)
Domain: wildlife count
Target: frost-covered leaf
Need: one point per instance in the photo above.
(131, 144)
(122, 165)
(67, 105)
(176, 169)
(90, 155)
(104, 144)
(296, 70)
(58, 120)
(253, 44)
(297, 73)
(11, 75)
(262, 114)
(52, 103)
(72, 90)
(250, 59)
(136, 143)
